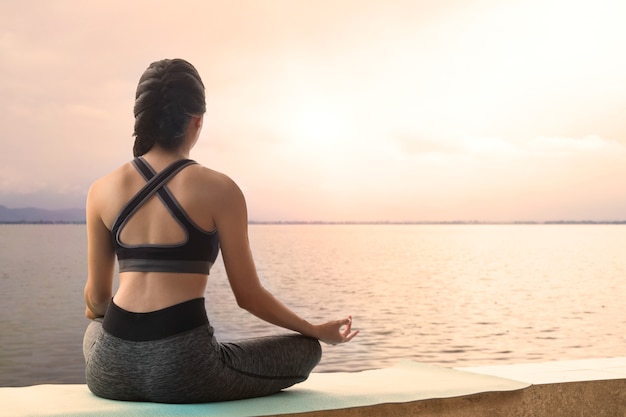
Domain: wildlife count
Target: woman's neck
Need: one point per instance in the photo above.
(159, 158)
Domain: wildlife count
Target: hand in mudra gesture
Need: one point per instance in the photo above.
(336, 332)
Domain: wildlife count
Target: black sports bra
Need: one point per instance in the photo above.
(195, 255)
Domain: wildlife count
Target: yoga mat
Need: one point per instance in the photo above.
(406, 382)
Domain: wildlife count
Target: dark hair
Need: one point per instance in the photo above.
(169, 92)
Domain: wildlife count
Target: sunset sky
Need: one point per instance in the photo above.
(416, 110)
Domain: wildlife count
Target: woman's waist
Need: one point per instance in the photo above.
(142, 292)
(154, 325)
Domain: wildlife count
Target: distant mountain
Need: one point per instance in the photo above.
(37, 215)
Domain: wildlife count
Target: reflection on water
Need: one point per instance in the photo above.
(454, 295)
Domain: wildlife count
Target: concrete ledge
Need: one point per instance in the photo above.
(559, 371)
(571, 399)
(569, 388)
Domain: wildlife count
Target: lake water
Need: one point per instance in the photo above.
(452, 295)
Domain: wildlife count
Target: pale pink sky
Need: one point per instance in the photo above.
(334, 110)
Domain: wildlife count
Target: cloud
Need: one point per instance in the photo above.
(468, 177)
(567, 147)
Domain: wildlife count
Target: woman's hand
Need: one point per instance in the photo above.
(335, 332)
(90, 314)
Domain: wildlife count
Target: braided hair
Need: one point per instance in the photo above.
(169, 92)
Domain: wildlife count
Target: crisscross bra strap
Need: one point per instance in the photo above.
(168, 199)
(144, 169)
(153, 185)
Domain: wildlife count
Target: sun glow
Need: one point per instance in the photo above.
(316, 123)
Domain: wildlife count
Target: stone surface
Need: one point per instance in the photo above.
(605, 398)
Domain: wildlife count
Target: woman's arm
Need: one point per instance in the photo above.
(231, 219)
(100, 259)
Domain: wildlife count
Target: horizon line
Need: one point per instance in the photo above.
(427, 222)
(365, 222)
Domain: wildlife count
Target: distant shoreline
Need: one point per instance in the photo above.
(381, 223)
(42, 222)
(33, 215)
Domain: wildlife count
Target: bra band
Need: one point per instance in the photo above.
(165, 265)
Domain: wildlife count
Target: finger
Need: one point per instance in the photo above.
(345, 322)
(347, 326)
(350, 336)
(346, 330)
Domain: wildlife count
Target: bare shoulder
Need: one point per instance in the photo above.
(207, 195)
(114, 180)
(107, 194)
(211, 182)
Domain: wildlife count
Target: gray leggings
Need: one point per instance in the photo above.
(192, 366)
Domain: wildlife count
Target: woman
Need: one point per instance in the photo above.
(165, 218)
